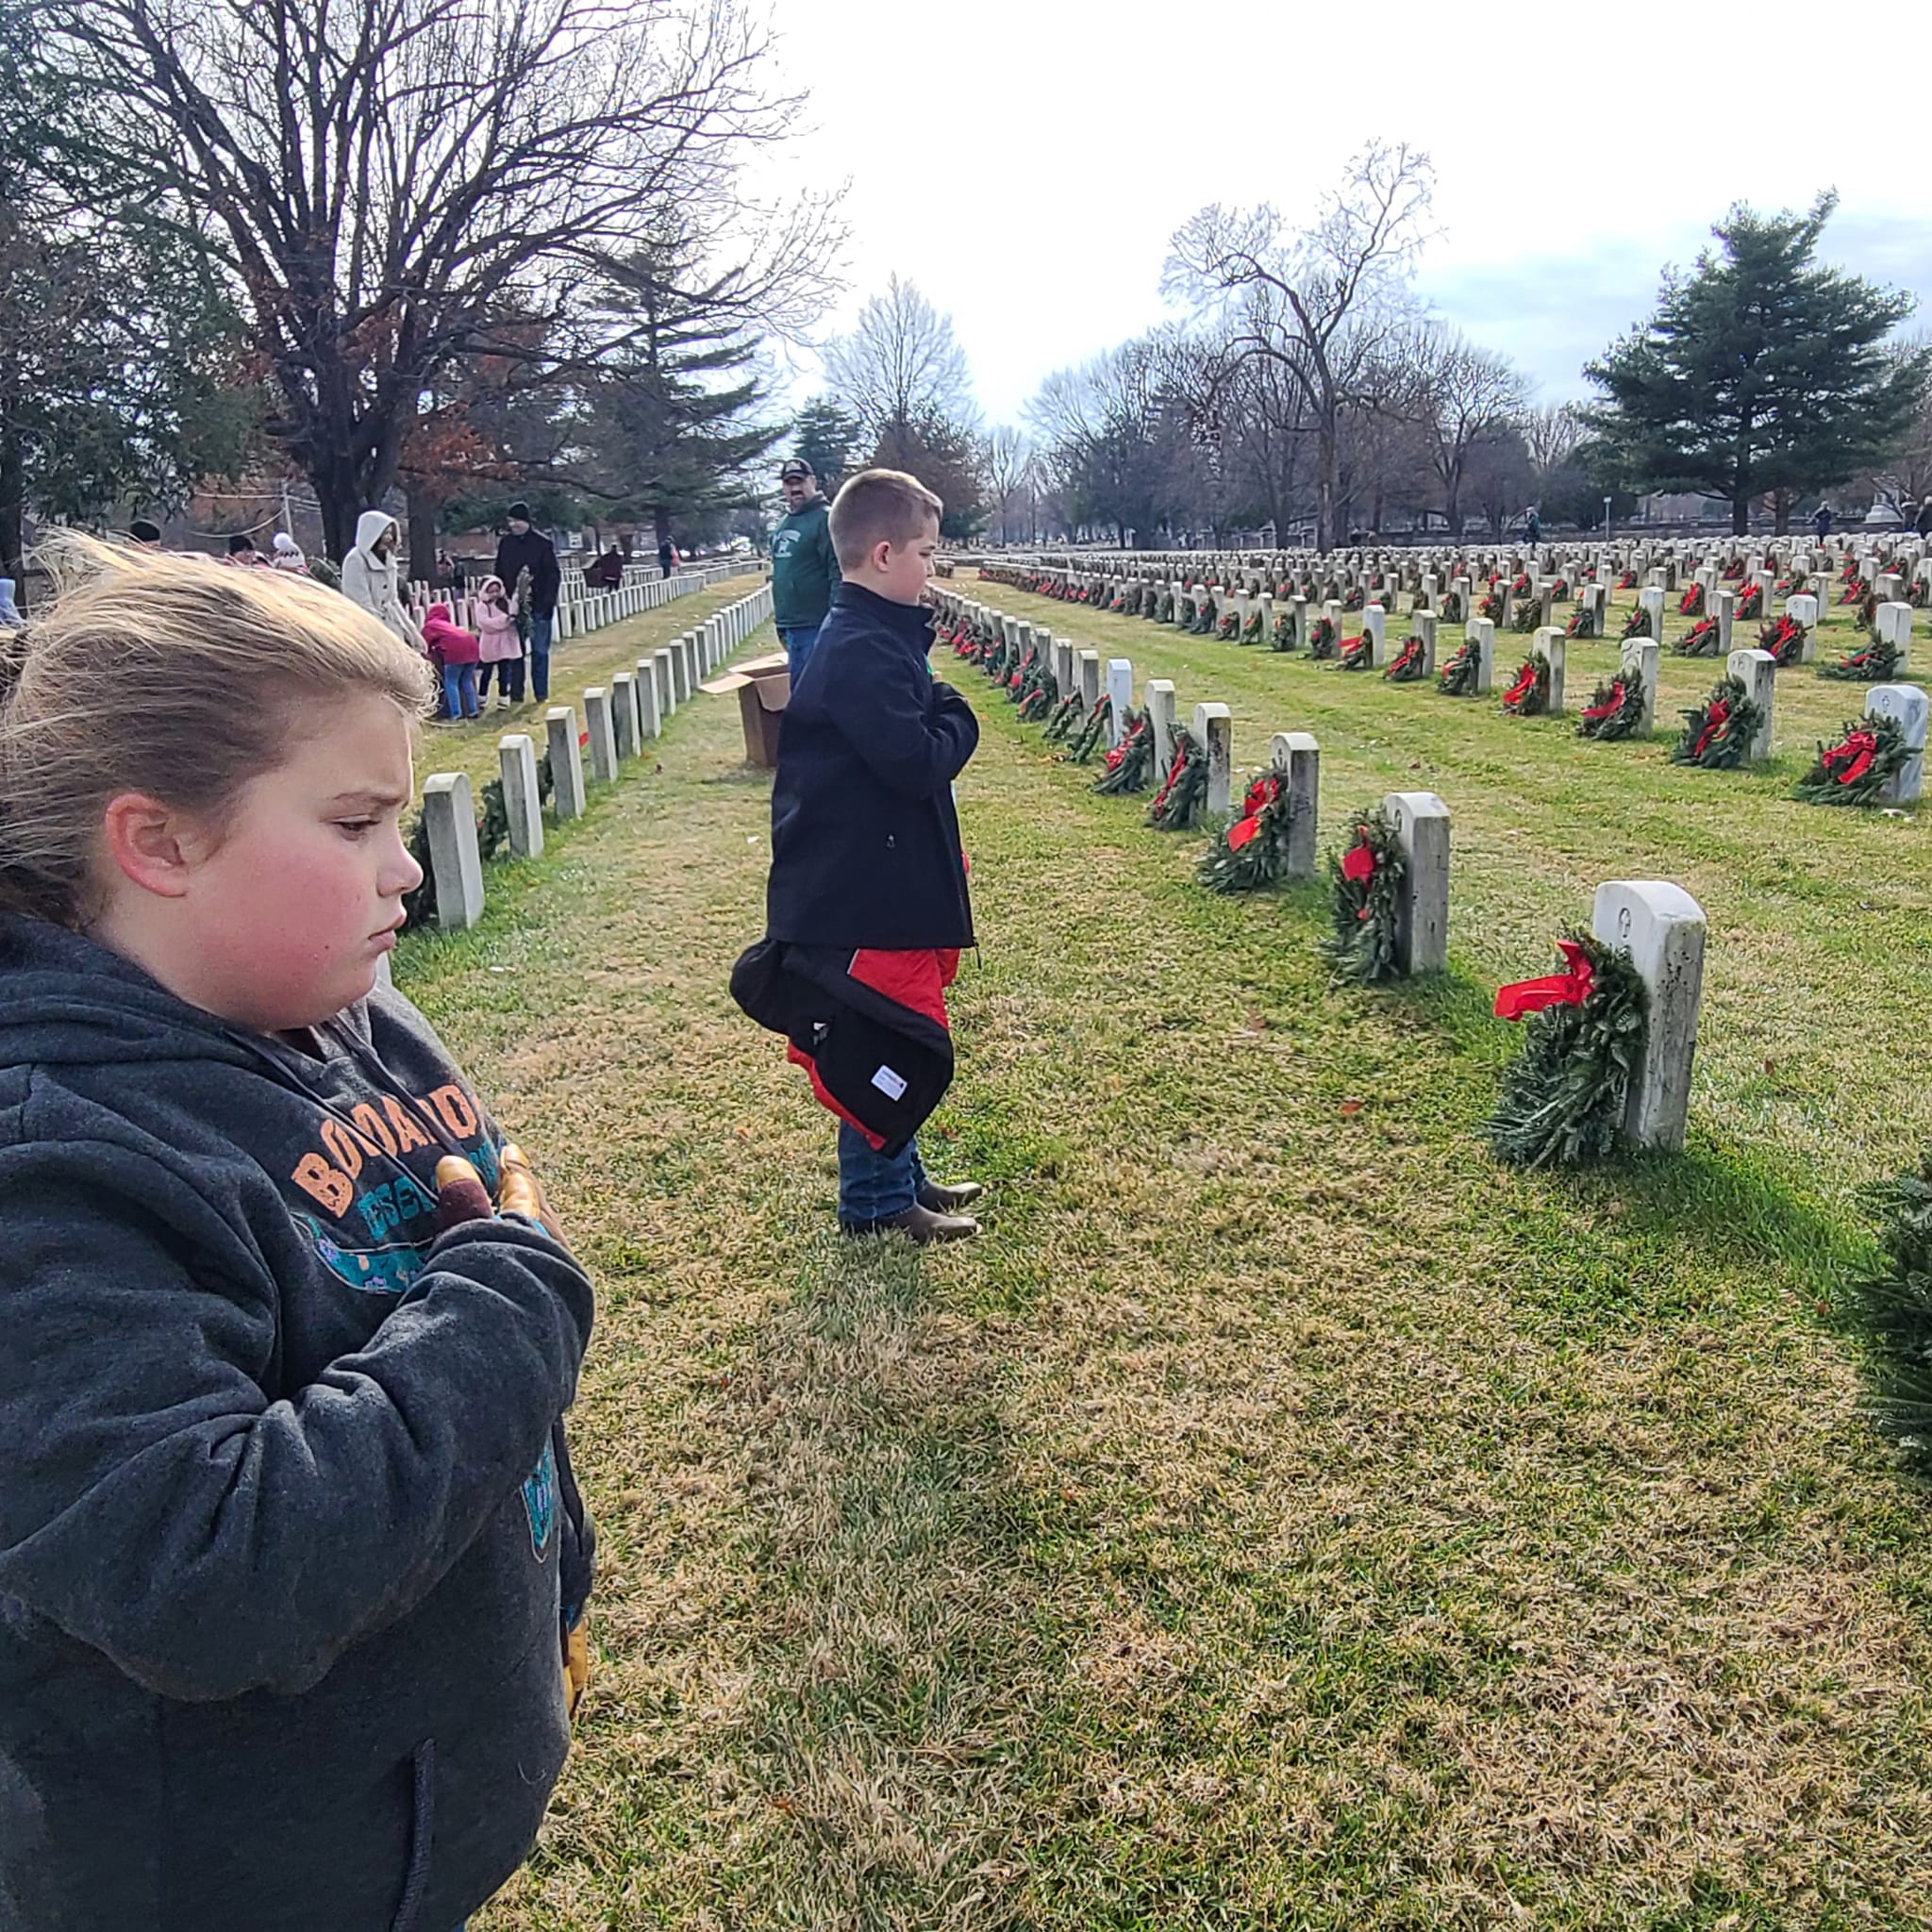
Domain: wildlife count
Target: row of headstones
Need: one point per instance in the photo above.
(1905, 704)
(620, 719)
(1662, 927)
(1384, 574)
(581, 609)
(1137, 585)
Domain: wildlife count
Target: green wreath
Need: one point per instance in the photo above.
(1253, 851)
(1718, 732)
(1183, 795)
(1615, 710)
(1858, 768)
(1562, 1098)
(1458, 678)
(1891, 1304)
(1875, 665)
(1066, 714)
(1366, 893)
(1083, 743)
(1131, 761)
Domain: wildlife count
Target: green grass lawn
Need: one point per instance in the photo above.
(1283, 1516)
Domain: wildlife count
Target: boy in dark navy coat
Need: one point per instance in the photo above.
(865, 843)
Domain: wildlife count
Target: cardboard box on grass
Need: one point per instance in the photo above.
(763, 686)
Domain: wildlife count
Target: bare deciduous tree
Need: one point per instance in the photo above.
(1007, 454)
(396, 184)
(1551, 435)
(1463, 396)
(1320, 302)
(901, 365)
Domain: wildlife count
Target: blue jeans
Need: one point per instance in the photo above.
(874, 1186)
(798, 645)
(540, 628)
(459, 690)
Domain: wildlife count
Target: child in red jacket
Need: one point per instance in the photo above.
(457, 653)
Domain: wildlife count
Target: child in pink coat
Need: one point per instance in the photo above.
(502, 648)
(457, 652)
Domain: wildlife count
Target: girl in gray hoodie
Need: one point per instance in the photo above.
(293, 1570)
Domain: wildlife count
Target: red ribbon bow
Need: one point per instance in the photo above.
(1526, 683)
(1262, 793)
(1358, 866)
(1609, 708)
(1568, 989)
(1855, 754)
(1714, 720)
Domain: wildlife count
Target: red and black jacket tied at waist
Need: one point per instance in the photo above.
(869, 1026)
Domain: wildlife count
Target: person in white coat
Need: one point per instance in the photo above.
(369, 575)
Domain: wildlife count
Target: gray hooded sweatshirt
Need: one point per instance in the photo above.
(287, 1531)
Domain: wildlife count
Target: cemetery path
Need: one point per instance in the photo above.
(1282, 1516)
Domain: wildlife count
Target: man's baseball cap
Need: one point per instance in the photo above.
(795, 466)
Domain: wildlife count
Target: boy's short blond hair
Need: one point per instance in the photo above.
(880, 507)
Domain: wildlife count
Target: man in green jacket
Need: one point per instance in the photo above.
(803, 567)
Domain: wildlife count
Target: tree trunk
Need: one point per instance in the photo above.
(1781, 513)
(1740, 510)
(422, 516)
(1324, 485)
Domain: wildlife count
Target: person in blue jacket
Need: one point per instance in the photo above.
(292, 1568)
(866, 860)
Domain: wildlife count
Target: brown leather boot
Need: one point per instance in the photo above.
(942, 1200)
(919, 1225)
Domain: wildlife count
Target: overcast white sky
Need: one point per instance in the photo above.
(1025, 162)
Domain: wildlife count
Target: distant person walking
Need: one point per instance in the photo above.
(1533, 528)
(607, 572)
(804, 568)
(369, 576)
(521, 547)
(1822, 522)
(667, 557)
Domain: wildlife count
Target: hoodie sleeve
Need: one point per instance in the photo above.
(162, 1508)
(915, 733)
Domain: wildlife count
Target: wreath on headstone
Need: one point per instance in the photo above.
(1019, 680)
(1083, 743)
(1182, 794)
(1579, 625)
(1529, 697)
(1492, 606)
(1041, 700)
(1700, 640)
(1206, 618)
(1562, 1098)
(1783, 640)
(1718, 732)
(1691, 602)
(1858, 767)
(1355, 598)
(1890, 1303)
(1064, 716)
(1409, 665)
(1751, 601)
(1875, 664)
(1615, 710)
(1637, 624)
(1627, 580)
(1358, 654)
(1323, 640)
(1131, 761)
(1458, 678)
(1163, 607)
(1230, 628)
(1253, 851)
(1733, 571)
(1452, 612)
(1284, 631)
(1253, 631)
(1365, 881)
